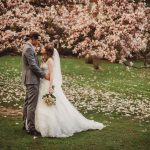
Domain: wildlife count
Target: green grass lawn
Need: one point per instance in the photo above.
(121, 133)
(115, 77)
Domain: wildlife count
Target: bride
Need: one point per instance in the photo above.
(61, 119)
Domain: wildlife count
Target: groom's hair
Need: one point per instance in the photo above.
(34, 35)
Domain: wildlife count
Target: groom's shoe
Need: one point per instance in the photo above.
(34, 132)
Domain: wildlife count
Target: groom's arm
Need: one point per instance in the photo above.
(29, 54)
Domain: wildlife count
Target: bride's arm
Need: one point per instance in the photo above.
(50, 69)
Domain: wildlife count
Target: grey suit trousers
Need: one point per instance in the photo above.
(32, 92)
(31, 74)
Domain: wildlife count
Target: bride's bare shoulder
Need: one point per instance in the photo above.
(50, 60)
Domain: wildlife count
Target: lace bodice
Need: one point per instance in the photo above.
(44, 67)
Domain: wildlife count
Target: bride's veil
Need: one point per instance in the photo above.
(57, 80)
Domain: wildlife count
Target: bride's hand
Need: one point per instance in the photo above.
(47, 77)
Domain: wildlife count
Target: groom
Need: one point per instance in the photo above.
(31, 74)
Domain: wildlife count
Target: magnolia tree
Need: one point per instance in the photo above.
(110, 29)
(17, 21)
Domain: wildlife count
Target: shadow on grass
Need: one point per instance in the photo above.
(121, 134)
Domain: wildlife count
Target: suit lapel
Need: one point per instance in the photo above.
(36, 58)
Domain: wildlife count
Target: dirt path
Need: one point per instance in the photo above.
(10, 111)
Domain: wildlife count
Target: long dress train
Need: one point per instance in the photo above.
(61, 119)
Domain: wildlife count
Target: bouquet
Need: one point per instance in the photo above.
(49, 99)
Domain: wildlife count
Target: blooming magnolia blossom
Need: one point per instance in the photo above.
(111, 29)
(83, 95)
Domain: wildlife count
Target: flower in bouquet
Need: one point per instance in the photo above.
(49, 99)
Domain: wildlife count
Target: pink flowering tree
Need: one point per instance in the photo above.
(110, 29)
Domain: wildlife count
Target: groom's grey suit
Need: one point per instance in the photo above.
(31, 74)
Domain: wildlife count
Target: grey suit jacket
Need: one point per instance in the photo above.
(31, 72)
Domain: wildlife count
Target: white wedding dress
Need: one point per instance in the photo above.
(61, 119)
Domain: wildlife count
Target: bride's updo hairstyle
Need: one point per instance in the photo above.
(49, 50)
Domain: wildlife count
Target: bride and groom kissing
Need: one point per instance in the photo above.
(61, 119)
